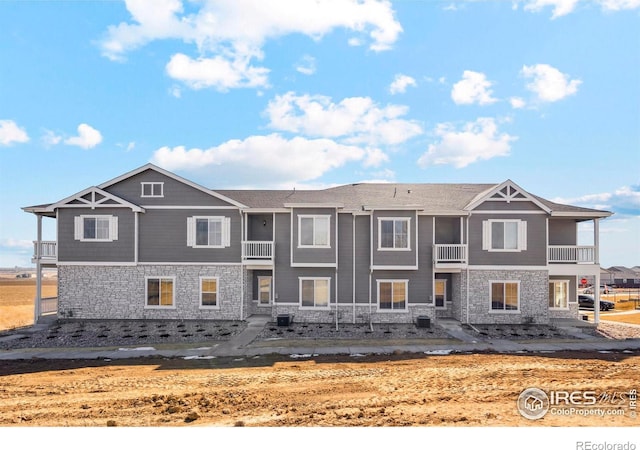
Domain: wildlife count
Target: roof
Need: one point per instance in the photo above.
(436, 198)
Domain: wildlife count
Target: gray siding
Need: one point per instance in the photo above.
(562, 232)
(288, 284)
(175, 192)
(314, 255)
(535, 255)
(163, 237)
(395, 257)
(362, 258)
(70, 250)
(490, 205)
(345, 258)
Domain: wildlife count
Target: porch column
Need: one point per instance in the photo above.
(596, 297)
(38, 256)
(596, 242)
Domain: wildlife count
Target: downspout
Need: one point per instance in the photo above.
(467, 268)
(336, 272)
(242, 270)
(353, 256)
(135, 237)
(370, 266)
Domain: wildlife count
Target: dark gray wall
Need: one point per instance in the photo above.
(121, 250)
(562, 232)
(260, 227)
(447, 231)
(362, 258)
(504, 206)
(314, 255)
(163, 237)
(175, 192)
(345, 258)
(536, 238)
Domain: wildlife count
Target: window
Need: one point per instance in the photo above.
(209, 292)
(152, 189)
(160, 292)
(505, 296)
(559, 294)
(209, 232)
(96, 228)
(392, 295)
(393, 234)
(314, 292)
(504, 235)
(313, 231)
(440, 289)
(264, 290)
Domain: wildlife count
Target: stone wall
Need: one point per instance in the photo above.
(118, 292)
(534, 297)
(346, 314)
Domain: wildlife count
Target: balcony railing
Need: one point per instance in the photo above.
(450, 254)
(579, 254)
(47, 251)
(257, 250)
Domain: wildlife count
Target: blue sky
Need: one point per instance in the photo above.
(277, 94)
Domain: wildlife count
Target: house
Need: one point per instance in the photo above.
(152, 245)
(623, 277)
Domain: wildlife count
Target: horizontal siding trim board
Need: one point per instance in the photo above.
(508, 211)
(95, 263)
(394, 267)
(189, 207)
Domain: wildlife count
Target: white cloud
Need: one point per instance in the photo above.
(473, 88)
(306, 65)
(624, 200)
(11, 133)
(560, 7)
(217, 72)
(229, 35)
(401, 83)
(548, 83)
(265, 160)
(88, 137)
(353, 119)
(50, 138)
(22, 244)
(479, 140)
(517, 102)
(618, 5)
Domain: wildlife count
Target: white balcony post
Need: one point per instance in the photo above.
(596, 297)
(36, 307)
(596, 240)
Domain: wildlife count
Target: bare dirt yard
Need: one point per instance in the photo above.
(399, 389)
(384, 390)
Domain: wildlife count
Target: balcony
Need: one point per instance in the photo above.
(258, 253)
(450, 256)
(46, 252)
(576, 254)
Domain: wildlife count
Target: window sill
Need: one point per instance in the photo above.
(382, 249)
(159, 307)
(314, 308)
(314, 246)
(508, 311)
(209, 307)
(386, 311)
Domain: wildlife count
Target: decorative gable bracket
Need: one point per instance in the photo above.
(506, 192)
(93, 198)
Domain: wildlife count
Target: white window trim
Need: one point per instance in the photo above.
(521, 238)
(394, 248)
(440, 280)
(270, 301)
(553, 308)
(192, 231)
(406, 296)
(314, 217)
(146, 293)
(217, 305)
(503, 311)
(318, 308)
(152, 184)
(79, 227)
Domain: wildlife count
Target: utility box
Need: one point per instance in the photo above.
(284, 320)
(423, 322)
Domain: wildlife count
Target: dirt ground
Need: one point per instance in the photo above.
(384, 390)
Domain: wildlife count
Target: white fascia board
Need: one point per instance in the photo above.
(314, 205)
(121, 202)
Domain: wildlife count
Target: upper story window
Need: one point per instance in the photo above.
(152, 189)
(504, 235)
(96, 228)
(209, 231)
(393, 233)
(313, 231)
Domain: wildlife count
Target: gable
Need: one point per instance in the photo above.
(94, 198)
(506, 196)
(151, 186)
